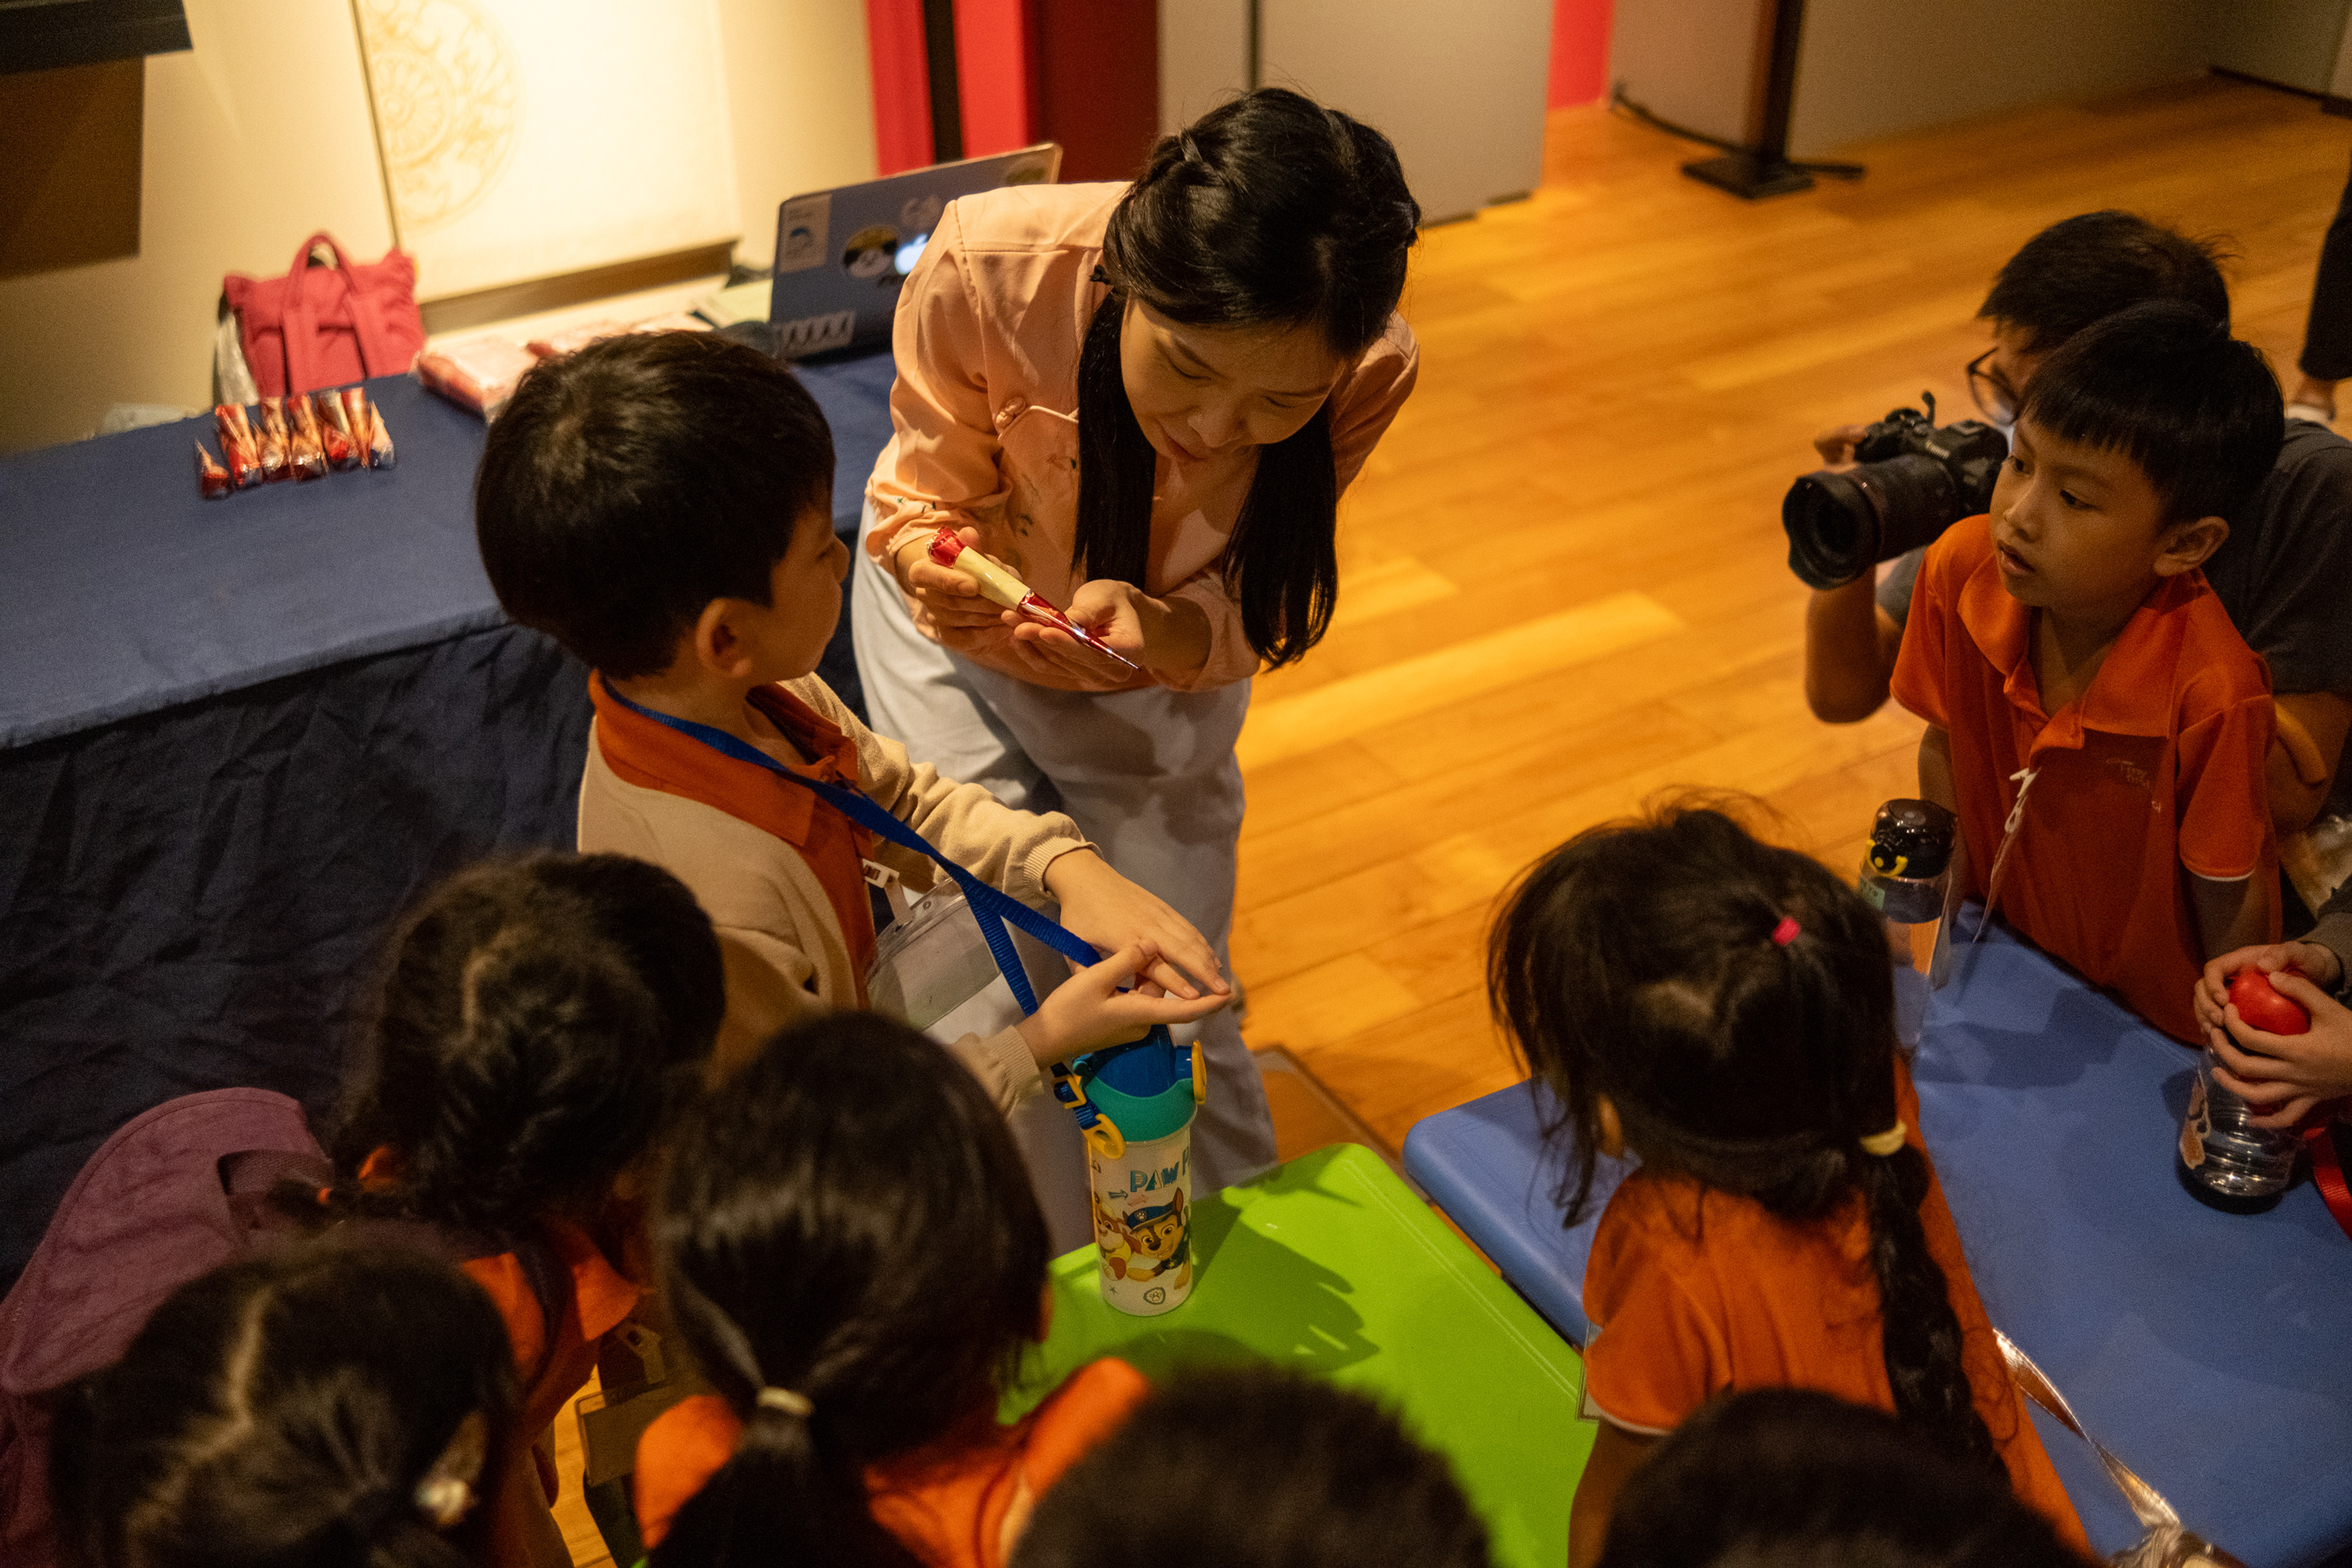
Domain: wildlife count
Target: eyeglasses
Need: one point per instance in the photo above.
(1995, 398)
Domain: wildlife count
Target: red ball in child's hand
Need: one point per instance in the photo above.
(2261, 1005)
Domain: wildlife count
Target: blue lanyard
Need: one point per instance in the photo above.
(990, 908)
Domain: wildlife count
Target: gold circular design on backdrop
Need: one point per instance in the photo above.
(448, 103)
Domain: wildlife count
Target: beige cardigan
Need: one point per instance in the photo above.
(786, 957)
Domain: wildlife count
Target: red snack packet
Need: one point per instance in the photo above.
(237, 449)
(367, 427)
(309, 457)
(480, 374)
(276, 464)
(335, 432)
(212, 480)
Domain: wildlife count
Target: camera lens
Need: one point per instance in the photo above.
(1834, 528)
(1919, 502)
(1841, 525)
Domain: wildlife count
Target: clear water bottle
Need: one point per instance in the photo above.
(2223, 1150)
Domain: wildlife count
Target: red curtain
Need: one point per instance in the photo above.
(902, 85)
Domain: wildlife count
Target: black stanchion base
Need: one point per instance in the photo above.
(1749, 177)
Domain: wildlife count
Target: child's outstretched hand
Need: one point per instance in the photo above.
(1089, 1010)
(2309, 959)
(2280, 1076)
(1111, 912)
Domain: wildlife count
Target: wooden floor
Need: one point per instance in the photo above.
(1565, 584)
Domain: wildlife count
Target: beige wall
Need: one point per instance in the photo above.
(261, 134)
(1868, 68)
(254, 138)
(800, 89)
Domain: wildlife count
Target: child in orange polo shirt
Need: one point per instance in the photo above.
(1725, 1011)
(658, 503)
(537, 1020)
(850, 1249)
(2094, 717)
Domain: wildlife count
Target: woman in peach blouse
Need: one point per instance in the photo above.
(1145, 400)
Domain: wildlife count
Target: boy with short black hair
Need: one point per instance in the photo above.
(2283, 575)
(2095, 718)
(658, 503)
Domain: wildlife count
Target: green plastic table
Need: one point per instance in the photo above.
(1331, 1266)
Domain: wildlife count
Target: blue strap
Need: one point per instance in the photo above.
(990, 908)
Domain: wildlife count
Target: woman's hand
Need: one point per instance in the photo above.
(1161, 634)
(1089, 1010)
(957, 609)
(1104, 907)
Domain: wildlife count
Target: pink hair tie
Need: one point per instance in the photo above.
(1786, 932)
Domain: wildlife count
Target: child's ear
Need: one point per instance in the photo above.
(718, 645)
(2186, 544)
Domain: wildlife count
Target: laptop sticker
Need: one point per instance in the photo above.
(807, 220)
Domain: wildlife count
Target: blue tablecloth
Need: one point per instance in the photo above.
(2212, 1351)
(237, 737)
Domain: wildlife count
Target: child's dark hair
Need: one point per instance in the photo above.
(2087, 267)
(1796, 1479)
(2196, 409)
(287, 1409)
(1639, 962)
(628, 485)
(537, 1020)
(849, 1221)
(1257, 1467)
(1269, 210)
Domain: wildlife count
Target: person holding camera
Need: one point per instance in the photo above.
(2284, 573)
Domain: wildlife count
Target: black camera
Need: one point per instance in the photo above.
(1910, 482)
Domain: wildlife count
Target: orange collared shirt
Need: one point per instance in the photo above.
(554, 1360)
(2154, 768)
(1694, 1292)
(650, 755)
(949, 1502)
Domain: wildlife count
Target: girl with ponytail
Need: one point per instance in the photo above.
(1724, 1012)
(320, 1407)
(537, 1020)
(1145, 399)
(850, 1250)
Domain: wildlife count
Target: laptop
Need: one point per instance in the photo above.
(842, 254)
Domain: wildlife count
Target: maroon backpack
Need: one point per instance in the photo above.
(175, 1193)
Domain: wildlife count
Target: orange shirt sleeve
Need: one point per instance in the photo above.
(1923, 666)
(1092, 1402)
(1654, 1356)
(2223, 803)
(685, 1447)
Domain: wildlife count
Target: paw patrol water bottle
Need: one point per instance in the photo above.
(1136, 1103)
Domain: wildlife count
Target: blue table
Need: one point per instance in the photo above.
(237, 737)
(2212, 1352)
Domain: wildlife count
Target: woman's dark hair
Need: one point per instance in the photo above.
(2197, 411)
(1638, 962)
(1257, 1467)
(537, 1020)
(2087, 267)
(1269, 210)
(1788, 1478)
(626, 486)
(849, 1220)
(284, 1410)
